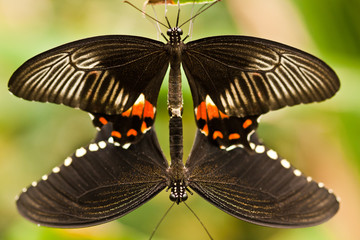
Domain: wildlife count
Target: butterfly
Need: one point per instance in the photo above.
(233, 81)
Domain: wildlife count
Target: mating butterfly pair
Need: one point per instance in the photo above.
(233, 80)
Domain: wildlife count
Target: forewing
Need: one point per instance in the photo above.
(99, 183)
(258, 187)
(104, 74)
(247, 76)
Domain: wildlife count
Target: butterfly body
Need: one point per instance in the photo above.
(233, 80)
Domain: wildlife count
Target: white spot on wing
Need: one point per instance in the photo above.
(68, 161)
(249, 135)
(208, 100)
(45, 177)
(258, 119)
(102, 144)
(230, 148)
(93, 147)
(252, 145)
(285, 163)
(259, 149)
(321, 185)
(272, 154)
(34, 183)
(140, 99)
(111, 140)
(203, 132)
(80, 152)
(56, 170)
(309, 179)
(91, 116)
(146, 130)
(297, 172)
(126, 145)
(24, 189)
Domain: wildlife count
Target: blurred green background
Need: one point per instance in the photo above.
(320, 139)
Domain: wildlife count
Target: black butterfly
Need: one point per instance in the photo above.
(233, 80)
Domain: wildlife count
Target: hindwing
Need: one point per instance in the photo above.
(258, 187)
(99, 183)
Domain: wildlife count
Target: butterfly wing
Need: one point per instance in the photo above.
(115, 78)
(99, 183)
(234, 77)
(250, 76)
(104, 74)
(258, 187)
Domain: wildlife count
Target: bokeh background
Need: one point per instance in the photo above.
(320, 139)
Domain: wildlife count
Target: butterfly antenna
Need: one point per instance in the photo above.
(191, 21)
(178, 14)
(200, 12)
(163, 217)
(202, 224)
(147, 15)
(166, 18)
(157, 22)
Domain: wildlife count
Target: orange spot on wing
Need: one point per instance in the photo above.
(212, 111)
(247, 123)
(127, 113)
(103, 121)
(144, 127)
(149, 110)
(131, 132)
(138, 109)
(223, 115)
(234, 136)
(205, 130)
(201, 111)
(217, 134)
(116, 134)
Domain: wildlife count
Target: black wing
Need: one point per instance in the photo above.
(104, 74)
(97, 184)
(247, 76)
(258, 187)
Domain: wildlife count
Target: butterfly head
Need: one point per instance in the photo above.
(178, 192)
(175, 35)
